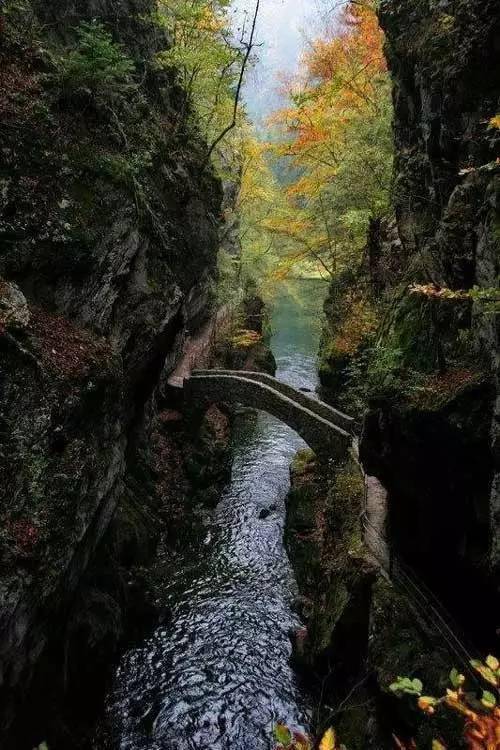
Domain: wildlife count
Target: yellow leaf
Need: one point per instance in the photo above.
(437, 745)
(426, 703)
(495, 122)
(329, 741)
(492, 661)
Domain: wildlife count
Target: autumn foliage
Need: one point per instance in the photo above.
(289, 739)
(481, 713)
(359, 321)
(336, 137)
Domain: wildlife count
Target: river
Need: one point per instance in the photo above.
(219, 674)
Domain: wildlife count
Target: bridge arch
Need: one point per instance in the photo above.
(327, 431)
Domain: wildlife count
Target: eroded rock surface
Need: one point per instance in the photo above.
(434, 443)
(109, 225)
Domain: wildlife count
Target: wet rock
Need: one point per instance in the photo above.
(165, 616)
(207, 458)
(171, 419)
(299, 638)
(437, 457)
(14, 312)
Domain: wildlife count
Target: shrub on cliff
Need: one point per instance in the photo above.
(97, 63)
(481, 713)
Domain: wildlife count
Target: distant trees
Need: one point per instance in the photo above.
(306, 197)
(337, 136)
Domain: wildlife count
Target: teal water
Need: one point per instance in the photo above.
(218, 675)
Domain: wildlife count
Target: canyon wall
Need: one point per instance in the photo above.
(109, 227)
(433, 438)
(424, 383)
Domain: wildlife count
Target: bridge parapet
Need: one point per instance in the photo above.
(336, 417)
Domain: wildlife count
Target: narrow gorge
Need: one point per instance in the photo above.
(213, 212)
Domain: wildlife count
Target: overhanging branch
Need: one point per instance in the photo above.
(248, 47)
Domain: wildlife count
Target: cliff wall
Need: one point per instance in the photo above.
(424, 379)
(431, 432)
(109, 225)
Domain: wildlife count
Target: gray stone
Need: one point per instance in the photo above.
(321, 426)
(14, 312)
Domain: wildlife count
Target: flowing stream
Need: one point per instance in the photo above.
(218, 675)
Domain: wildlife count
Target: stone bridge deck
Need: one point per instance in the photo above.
(325, 429)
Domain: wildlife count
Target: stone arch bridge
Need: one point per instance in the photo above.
(326, 430)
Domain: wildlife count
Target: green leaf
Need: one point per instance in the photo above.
(282, 734)
(488, 700)
(456, 678)
(406, 685)
(417, 684)
(485, 672)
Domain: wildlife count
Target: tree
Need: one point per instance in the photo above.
(211, 64)
(247, 46)
(337, 135)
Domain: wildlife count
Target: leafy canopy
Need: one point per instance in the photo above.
(206, 57)
(336, 134)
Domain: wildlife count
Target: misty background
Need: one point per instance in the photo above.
(284, 29)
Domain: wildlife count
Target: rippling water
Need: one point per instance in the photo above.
(218, 675)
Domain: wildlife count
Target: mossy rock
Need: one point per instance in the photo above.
(303, 462)
(401, 646)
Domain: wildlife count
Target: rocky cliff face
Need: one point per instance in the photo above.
(433, 439)
(425, 379)
(109, 222)
(335, 577)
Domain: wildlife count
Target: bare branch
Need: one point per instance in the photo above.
(249, 46)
